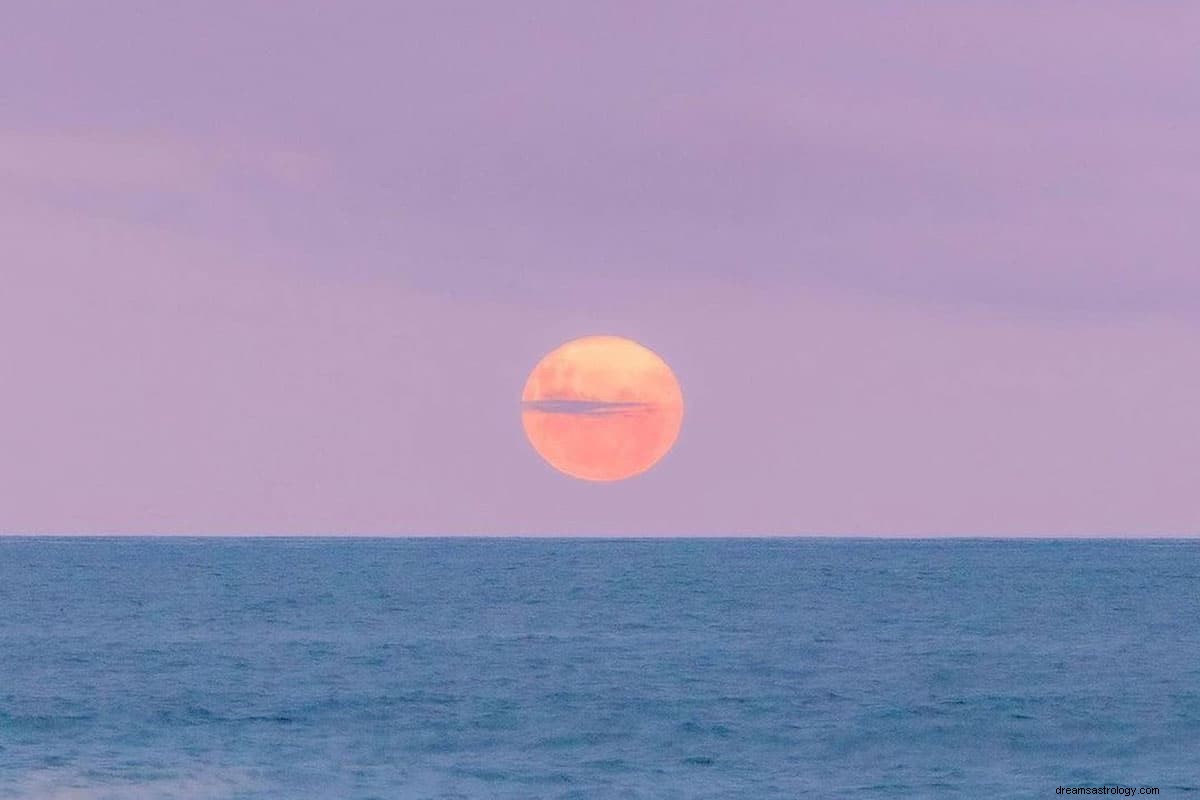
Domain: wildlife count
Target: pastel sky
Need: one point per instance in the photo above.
(283, 267)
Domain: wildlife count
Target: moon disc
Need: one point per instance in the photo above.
(602, 408)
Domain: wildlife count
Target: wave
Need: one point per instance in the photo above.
(62, 784)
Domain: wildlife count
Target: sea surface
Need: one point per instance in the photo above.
(152, 669)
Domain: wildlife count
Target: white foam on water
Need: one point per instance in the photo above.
(61, 784)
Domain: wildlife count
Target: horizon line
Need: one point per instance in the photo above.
(619, 536)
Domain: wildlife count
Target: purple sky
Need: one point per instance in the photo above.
(283, 267)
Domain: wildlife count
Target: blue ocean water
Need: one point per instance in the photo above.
(427, 668)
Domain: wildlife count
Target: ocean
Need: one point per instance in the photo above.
(157, 668)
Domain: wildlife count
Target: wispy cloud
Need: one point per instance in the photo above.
(588, 408)
(104, 160)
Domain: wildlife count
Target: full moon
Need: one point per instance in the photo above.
(602, 408)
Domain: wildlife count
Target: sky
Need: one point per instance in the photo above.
(283, 268)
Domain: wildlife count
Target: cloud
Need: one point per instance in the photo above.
(217, 193)
(96, 159)
(584, 407)
(1031, 158)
